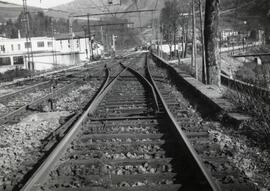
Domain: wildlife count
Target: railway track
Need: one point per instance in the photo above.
(42, 91)
(127, 139)
(218, 160)
(16, 103)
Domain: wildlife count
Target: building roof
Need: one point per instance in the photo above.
(66, 36)
(23, 39)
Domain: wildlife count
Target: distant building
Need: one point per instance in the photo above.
(78, 43)
(20, 46)
(227, 33)
(48, 52)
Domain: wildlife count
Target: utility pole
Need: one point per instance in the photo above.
(194, 44)
(157, 37)
(211, 42)
(235, 38)
(53, 51)
(71, 41)
(102, 35)
(109, 13)
(161, 41)
(89, 37)
(203, 44)
(113, 43)
(85, 42)
(30, 59)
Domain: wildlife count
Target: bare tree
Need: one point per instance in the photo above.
(170, 20)
(261, 9)
(211, 42)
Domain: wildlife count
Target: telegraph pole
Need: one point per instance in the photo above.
(71, 38)
(30, 59)
(89, 37)
(102, 35)
(194, 44)
(85, 42)
(53, 51)
(113, 41)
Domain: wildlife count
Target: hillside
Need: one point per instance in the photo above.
(12, 11)
(230, 16)
(99, 6)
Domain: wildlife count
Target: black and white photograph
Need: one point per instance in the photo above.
(134, 95)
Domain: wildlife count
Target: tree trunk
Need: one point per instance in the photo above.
(174, 43)
(202, 43)
(211, 42)
(267, 34)
(186, 45)
(183, 40)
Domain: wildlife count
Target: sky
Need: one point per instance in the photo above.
(40, 3)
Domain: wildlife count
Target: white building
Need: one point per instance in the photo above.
(47, 52)
(78, 43)
(19, 46)
(226, 33)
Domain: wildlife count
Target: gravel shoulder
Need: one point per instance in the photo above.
(241, 153)
(21, 143)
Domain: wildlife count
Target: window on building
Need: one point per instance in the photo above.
(68, 43)
(27, 45)
(18, 60)
(40, 44)
(19, 47)
(61, 44)
(50, 44)
(78, 43)
(5, 61)
(2, 48)
(12, 47)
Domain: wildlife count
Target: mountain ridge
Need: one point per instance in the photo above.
(99, 6)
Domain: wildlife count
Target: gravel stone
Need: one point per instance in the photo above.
(21, 144)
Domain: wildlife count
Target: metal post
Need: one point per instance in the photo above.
(85, 42)
(89, 35)
(53, 52)
(113, 41)
(194, 47)
(27, 36)
(71, 39)
(102, 37)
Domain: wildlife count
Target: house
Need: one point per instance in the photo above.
(78, 42)
(47, 52)
(226, 33)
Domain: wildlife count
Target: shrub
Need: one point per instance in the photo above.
(258, 128)
(13, 74)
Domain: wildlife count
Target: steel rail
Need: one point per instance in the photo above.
(39, 176)
(6, 96)
(148, 84)
(6, 117)
(49, 74)
(189, 148)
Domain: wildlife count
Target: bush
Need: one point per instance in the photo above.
(13, 74)
(258, 129)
